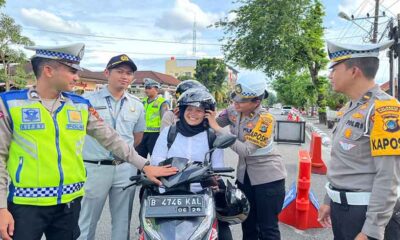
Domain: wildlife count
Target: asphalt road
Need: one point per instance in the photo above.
(289, 154)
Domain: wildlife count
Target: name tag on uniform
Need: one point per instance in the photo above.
(100, 107)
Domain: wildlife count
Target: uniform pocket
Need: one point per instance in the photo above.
(19, 169)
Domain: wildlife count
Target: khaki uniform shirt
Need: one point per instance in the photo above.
(96, 128)
(261, 166)
(352, 167)
(168, 119)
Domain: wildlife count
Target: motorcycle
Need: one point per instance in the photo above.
(173, 211)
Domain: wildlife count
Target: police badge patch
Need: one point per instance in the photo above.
(124, 58)
(31, 115)
(390, 123)
(238, 89)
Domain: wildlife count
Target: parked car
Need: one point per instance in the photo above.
(285, 110)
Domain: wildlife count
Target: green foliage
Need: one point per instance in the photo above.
(10, 34)
(335, 101)
(284, 39)
(295, 89)
(212, 74)
(271, 100)
(21, 77)
(184, 77)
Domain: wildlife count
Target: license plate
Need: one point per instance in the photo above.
(176, 201)
(175, 206)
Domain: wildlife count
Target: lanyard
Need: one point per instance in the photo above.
(112, 113)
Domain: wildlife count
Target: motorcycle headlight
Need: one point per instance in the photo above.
(207, 222)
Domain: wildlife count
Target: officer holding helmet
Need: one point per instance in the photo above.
(260, 171)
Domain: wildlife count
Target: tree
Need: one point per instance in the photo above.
(212, 74)
(281, 38)
(184, 77)
(10, 36)
(295, 89)
(20, 77)
(271, 100)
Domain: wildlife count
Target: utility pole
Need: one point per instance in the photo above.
(397, 50)
(375, 32)
(390, 56)
(194, 36)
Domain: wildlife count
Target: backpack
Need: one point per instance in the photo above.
(172, 132)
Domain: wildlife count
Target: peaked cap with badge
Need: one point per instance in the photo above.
(121, 59)
(249, 88)
(339, 52)
(69, 55)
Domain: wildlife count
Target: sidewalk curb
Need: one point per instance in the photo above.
(326, 140)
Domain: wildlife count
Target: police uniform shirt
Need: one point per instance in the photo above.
(96, 128)
(169, 118)
(262, 168)
(129, 118)
(352, 166)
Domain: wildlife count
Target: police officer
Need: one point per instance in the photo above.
(155, 106)
(260, 172)
(170, 117)
(125, 113)
(42, 135)
(364, 170)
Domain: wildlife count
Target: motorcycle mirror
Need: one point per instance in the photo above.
(224, 141)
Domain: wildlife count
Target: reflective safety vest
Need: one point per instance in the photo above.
(45, 155)
(153, 116)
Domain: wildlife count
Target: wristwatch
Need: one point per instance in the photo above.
(146, 164)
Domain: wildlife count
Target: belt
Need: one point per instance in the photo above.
(104, 162)
(347, 197)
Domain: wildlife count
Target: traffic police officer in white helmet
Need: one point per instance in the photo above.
(260, 172)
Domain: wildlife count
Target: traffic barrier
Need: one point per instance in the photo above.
(300, 208)
(318, 165)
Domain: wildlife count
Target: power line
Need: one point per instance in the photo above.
(141, 53)
(120, 38)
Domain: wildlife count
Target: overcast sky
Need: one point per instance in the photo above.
(148, 30)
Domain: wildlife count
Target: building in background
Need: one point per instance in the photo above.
(386, 87)
(186, 67)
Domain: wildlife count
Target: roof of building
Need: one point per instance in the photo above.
(98, 76)
(159, 77)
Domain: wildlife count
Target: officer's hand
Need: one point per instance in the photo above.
(152, 172)
(211, 116)
(324, 216)
(361, 236)
(6, 224)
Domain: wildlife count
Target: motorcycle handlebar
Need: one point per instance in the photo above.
(135, 178)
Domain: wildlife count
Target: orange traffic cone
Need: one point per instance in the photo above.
(318, 165)
(300, 208)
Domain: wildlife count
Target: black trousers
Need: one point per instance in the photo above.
(266, 201)
(58, 222)
(147, 145)
(348, 220)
